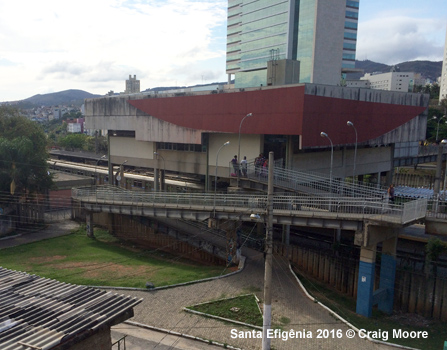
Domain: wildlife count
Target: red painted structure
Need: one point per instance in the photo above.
(281, 111)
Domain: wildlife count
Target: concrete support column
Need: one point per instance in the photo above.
(89, 224)
(379, 179)
(232, 240)
(156, 180)
(389, 178)
(388, 274)
(365, 287)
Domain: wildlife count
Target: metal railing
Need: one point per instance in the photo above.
(290, 205)
(310, 182)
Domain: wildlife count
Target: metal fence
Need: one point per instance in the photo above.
(309, 182)
(293, 205)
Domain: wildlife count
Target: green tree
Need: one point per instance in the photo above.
(23, 154)
(74, 141)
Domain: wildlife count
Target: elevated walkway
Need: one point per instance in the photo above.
(300, 210)
(306, 182)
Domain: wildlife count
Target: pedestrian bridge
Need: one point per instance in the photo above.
(298, 209)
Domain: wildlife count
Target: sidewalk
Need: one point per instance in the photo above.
(55, 229)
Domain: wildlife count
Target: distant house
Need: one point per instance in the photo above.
(39, 313)
(75, 126)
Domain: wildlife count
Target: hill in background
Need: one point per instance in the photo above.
(428, 69)
(67, 97)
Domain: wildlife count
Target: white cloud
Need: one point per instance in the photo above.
(93, 42)
(396, 39)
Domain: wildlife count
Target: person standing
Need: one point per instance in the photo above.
(391, 193)
(235, 165)
(244, 166)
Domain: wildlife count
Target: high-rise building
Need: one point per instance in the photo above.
(320, 34)
(132, 85)
(443, 87)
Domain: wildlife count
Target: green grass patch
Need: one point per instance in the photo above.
(345, 307)
(103, 261)
(243, 308)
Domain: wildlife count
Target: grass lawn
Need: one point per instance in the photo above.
(345, 307)
(243, 308)
(103, 261)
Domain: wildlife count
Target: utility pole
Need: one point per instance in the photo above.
(267, 318)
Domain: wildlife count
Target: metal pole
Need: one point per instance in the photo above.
(162, 175)
(355, 151)
(97, 166)
(437, 129)
(443, 142)
(239, 148)
(215, 178)
(267, 318)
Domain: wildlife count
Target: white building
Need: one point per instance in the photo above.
(74, 128)
(391, 81)
(443, 87)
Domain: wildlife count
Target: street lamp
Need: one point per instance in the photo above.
(239, 148)
(437, 129)
(121, 172)
(355, 150)
(164, 169)
(104, 156)
(323, 134)
(215, 177)
(443, 142)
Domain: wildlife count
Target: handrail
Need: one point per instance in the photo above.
(311, 182)
(372, 208)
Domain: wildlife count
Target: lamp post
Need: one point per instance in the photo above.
(349, 123)
(437, 129)
(96, 165)
(215, 177)
(163, 173)
(239, 148)
(121, 172)
(323, 134)
(444, 142)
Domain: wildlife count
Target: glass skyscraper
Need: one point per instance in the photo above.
(320, 34)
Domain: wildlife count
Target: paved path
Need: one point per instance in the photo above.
(55, 229)
(163, 308)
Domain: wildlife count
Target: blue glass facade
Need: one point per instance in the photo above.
(259, 31)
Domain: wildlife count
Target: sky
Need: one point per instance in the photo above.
(54, 45)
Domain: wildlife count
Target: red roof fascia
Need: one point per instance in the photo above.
(282, 111)
(275, 111)
(371, 119)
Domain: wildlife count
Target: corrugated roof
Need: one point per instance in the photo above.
(40, 313)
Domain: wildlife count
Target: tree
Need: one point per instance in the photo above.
(23, 155)
(74, 141)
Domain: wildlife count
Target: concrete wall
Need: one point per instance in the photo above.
(368, 161)
(328, 50)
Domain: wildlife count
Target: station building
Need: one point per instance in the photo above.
(182, 133)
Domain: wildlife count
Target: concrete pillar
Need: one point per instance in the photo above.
(388, 274)
(389, 178)
(123, 180)
(156, 180)
(365, 287)
(89, 224)
(232, 240)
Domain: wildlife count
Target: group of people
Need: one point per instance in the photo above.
(239, 167)
(261, 166)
